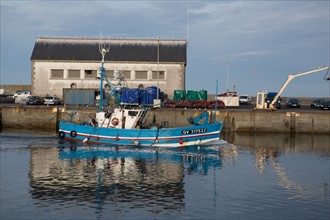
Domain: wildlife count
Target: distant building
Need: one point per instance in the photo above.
(62, 63)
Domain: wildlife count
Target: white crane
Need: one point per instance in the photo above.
(291, 77)
(260, 102)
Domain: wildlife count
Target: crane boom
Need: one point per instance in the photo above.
(291, 77)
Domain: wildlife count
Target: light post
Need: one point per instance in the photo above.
(157, 67)
(227, 75)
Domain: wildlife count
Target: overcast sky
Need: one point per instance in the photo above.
(256, 43)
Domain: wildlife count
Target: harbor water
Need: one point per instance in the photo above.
(243, 176)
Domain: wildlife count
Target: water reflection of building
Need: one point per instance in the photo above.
(284, 141)
(267, 147)
(229, 154)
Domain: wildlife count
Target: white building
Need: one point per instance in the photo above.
(62, 63)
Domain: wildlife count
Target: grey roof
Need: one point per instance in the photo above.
(87, 49)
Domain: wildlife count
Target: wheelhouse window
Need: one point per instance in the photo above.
(90, 74)
(74, 74)
(133, 113)
(57, 74)
(155, 75)
(141, 75)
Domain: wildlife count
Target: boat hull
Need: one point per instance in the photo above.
(166, 137)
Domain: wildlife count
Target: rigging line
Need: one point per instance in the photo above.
(108, 122)
(156, 138)
(52, 117)
(137, 135)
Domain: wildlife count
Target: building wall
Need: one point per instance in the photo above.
(43, 83)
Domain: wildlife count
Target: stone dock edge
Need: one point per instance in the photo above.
(249, 121)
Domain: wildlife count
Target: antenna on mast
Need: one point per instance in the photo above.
(103, 52)
(103, 48)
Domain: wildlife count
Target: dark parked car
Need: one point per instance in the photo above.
(316, 103)
(34, 100)
(325, 105)
(292, 103)
(270, 97)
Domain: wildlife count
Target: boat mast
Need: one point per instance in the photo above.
(103, 51)
(216, 103)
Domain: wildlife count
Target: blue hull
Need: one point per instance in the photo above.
(166, 137)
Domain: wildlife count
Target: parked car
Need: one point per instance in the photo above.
(34, 100)
(245, 99)
(292, 103)
(316, 103)
(270, 97)
(22, 93)
(325, 105)
(52, 100)
(21, 96)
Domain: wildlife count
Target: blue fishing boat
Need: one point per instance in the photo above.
(123, 126)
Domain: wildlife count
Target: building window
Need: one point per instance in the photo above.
(73, 86)
(74, 74)
(126, 74)
(56, 73)
(155, 74)
(109, 74)
(141, 75)
(122, 74)
(90, 74)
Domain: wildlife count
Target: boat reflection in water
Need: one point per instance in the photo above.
(125, 176)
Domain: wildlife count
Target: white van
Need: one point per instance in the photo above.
(245, 99)
(4, 92)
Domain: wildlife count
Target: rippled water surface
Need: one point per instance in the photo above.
(266, 176)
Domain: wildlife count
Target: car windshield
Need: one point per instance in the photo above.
(293, 100)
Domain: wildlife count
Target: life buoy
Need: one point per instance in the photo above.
(61, 134)
(115, 121)
(73, 133)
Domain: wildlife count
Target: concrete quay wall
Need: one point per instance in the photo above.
(41, 118)
(311, 122)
